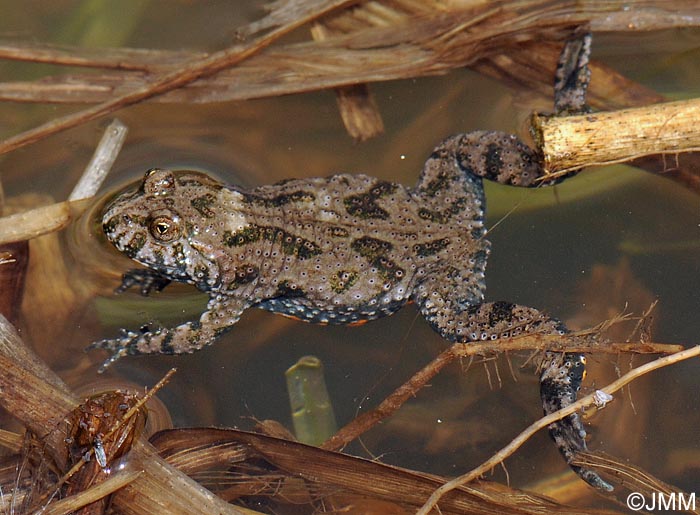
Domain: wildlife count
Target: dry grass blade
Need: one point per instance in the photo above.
(284, 12)
(31, 391)
(35, 222)
(101, 163)
(328, 472)
(118, 59)
(629, 477)
(91, 495)
(11, 441)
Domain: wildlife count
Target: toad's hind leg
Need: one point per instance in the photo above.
(462, 161)
(560, 381)
(572, 76)
(562, 373)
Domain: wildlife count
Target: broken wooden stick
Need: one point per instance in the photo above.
(596, 139)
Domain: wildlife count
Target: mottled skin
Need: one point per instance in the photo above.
(347, 248)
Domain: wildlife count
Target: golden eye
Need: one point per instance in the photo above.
(164, 229)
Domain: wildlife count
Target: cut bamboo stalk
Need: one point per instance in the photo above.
(596, 139)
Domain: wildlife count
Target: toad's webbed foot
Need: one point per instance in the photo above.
(184, 338)
(572, 76)
(146, 279)
(560, 382)
(123, 345)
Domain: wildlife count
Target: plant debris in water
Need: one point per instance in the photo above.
(373, 42)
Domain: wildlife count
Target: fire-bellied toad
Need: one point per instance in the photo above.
(346, 248)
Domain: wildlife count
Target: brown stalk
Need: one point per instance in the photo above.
(200, 449)
(133, 59)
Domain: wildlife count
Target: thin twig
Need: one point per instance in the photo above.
(389, 405)
(93, 494)
(569, 343)
(588, 400)
(139, 59)
(141, 403)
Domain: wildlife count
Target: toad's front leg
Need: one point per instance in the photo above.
(146, 279)
(222, 313)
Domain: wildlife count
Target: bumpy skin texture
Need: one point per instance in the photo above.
(345, 248)
(332, 250)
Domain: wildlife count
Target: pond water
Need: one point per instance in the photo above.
(607, 241)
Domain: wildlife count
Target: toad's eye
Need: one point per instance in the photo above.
(164, 229)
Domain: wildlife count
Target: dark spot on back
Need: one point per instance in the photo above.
(203, 205)
(289, 243)
(244, 274)
(371, 247)
(343, 280)
(494, 163)
(338, 232)
(289, 290)
(501, 311)
(375, 251)
(279, 200)
(431, 248)
(440, 182)
(364, 205)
